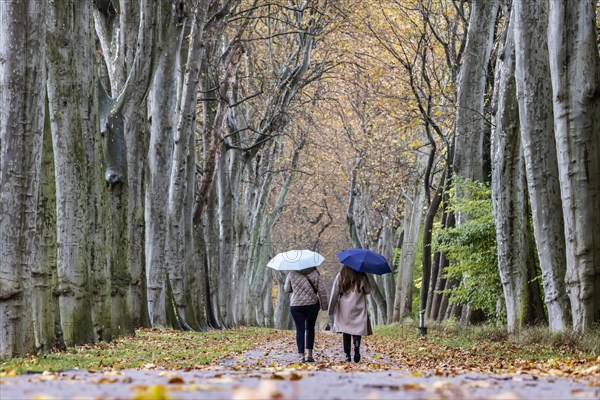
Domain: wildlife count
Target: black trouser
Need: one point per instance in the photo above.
(347, 337)
(305, 318)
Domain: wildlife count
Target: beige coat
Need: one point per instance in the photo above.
(349, 310)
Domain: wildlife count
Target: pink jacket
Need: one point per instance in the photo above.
(302, 292)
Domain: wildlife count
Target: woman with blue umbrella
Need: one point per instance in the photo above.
(348, 302)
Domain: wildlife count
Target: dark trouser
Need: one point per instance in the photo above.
(347, 337)
(305, 318)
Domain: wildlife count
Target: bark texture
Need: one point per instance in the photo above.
(534, 93)
(22, 78)
(509, 189)
(575, 70)
(71, 92)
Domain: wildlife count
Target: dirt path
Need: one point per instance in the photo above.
(271, 372)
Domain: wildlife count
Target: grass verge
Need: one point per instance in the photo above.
(485, 349)
(149, 348)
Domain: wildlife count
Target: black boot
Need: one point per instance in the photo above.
(356, 349)
(356, 354)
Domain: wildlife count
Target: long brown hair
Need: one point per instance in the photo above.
(351, 280)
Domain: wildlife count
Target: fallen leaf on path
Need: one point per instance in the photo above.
(175, 380)
(506, 396)
(442, 385)
(482, 384)
(194, 387)
(413, 386)
(154, 392)
(43, 396)
(105, 379)
(266, 390)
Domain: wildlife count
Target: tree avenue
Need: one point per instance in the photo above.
(155, 155)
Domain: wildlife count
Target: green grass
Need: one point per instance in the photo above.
(147, 349)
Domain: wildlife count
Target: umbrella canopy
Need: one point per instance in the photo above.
(295, 260)
(363, 260)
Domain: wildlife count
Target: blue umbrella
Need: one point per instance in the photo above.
(364, 260)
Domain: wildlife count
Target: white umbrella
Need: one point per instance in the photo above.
(295, 260)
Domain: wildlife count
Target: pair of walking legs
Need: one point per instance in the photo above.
(355, 339)
(305, 318)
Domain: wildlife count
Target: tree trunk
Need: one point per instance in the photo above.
(575, 71)
(536, 119)
(46, 319)
(179, 177)
(22, 49)
(100, 278)
(412, 225)
(162, 109)
(127, 40)
(508, 184)
(468, 153)
(427, 235)
(71, 91)
(439, 301)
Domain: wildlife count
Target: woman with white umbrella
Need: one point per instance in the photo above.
(308, 295)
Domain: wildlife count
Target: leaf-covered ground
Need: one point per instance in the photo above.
(261, 363)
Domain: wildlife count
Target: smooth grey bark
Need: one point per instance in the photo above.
(575, 71)
(127, 39)
(162, 110)
(175, 248)
(534, 95)
(413, 213)
(71, 90)
(508, 183)
(22, 96)
(469, 127)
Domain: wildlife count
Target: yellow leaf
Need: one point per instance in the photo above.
(154, 392)
(416, 373)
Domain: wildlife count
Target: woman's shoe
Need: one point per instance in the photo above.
(301, 360)
(348, 359)
(356, 354)
(310, 359)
